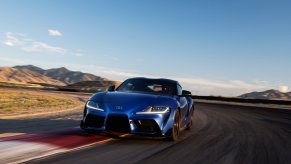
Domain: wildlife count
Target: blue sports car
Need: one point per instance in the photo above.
(157, 107)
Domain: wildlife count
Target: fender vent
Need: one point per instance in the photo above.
(147, 125)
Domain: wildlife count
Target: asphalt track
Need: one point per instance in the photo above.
(221, 134)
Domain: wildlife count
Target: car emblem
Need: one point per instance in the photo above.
(118, 107)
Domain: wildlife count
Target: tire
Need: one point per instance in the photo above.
(190, 124)
(175, 132)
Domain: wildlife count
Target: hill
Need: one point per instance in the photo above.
(269, 94)
(63, 74)
(22, 75)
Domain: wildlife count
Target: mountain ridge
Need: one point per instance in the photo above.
(270, 94)
(63, 74)
(15, 75)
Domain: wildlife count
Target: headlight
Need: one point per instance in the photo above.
(155, 110)
(93, 105)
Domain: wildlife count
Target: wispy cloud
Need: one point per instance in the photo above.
(52, 32)
(12, 39)
(226, 88)
(199, 85)
(23, 42)
(43, 47)
(283, 88)
(233, 84)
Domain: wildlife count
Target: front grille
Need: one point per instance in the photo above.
(146, 125)
(118, 123)
(94, 121)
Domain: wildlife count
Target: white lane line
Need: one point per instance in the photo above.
(16, 151)
(21, 151)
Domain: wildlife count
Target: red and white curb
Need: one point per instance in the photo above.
(21, 148)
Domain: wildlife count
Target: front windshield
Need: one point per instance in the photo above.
(148, 86)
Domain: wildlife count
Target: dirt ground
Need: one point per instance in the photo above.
(44, 120)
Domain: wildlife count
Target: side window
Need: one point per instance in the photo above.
(126, 87)
(179, 89)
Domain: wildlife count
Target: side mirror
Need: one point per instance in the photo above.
(186, 93)
(111, 88)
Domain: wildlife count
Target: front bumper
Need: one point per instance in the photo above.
(144, 124)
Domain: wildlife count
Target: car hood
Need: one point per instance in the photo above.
(129, 101)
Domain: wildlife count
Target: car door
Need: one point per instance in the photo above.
(183, 106)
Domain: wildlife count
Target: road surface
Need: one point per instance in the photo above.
(221, 134)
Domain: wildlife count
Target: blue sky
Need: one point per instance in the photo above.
(220, 47)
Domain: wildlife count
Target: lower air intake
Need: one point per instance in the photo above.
(118, 123)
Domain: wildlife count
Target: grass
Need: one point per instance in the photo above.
(17, 101)
(11, 84)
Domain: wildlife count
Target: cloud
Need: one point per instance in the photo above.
(233, 84)
(52, 32)
(9, 43)
(198, 86)
(227, 88)
(43, 47)
(11, 40)
(23, 42)
(27, 44)
(283, 88)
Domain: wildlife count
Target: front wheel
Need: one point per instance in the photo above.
(190, 124)
(175, 132)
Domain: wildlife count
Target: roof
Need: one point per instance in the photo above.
(162, 79)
